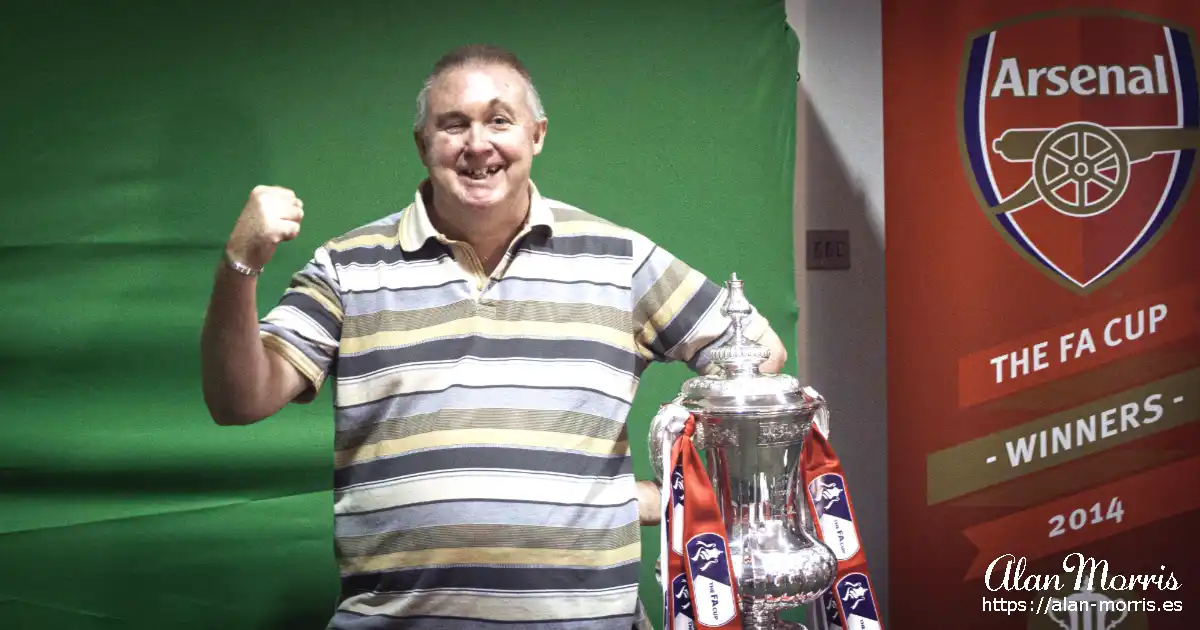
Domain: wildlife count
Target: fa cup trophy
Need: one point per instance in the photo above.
(751, 427)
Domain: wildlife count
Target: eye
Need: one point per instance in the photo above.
(501, 120)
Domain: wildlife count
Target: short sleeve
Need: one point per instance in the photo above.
(306, 325)
(677, 310)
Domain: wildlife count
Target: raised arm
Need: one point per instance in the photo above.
(243, 381)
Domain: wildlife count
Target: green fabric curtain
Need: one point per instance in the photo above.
(132, 133)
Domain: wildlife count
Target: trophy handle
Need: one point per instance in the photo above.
(821, 413)
(665, 428)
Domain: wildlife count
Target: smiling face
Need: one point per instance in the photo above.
(479, 140)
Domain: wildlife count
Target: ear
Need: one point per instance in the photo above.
(539, 136)
(422, 150)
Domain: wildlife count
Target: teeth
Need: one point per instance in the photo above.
(482, 173)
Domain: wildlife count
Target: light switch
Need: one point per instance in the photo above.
(828, 249)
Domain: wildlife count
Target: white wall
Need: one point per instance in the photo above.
(839, 185)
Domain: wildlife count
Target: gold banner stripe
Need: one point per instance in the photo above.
(1063, 437)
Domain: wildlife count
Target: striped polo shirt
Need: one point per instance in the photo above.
(483, 476)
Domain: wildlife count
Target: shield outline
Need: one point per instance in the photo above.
(969, 172)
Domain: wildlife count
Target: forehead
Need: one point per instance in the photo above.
(477, 85)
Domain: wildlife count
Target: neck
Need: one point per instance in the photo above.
(489, 232)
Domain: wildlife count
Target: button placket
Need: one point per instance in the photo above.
(474, 268)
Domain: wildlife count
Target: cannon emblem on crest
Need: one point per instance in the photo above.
(1090, 160)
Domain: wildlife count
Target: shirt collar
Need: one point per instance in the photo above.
(416, 228)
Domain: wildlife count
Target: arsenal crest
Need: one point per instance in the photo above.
(1079, 131)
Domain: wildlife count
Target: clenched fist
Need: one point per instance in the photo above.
(272, 215)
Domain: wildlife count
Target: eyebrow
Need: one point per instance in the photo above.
(495, 103)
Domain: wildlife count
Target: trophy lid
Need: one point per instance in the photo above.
(738, 386)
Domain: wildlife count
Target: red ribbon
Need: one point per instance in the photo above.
(677, 600)
(850, 603)
(700, 585)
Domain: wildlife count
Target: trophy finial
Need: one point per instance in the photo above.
(738, 355)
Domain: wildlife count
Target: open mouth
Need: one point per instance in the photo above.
(480, 174)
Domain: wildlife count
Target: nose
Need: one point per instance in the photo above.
(478, 139)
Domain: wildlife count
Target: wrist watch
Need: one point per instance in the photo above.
(240, 267)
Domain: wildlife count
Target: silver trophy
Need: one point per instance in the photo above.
(751, 427)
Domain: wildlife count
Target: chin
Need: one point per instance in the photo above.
(497, 194)
(476, 201)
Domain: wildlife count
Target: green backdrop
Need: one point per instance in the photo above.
(132, 133)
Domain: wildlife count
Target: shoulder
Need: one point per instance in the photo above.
(381, 231)
(573, 221)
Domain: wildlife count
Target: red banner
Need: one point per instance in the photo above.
(1043, 311)
(1101, 337)
(1082, 518)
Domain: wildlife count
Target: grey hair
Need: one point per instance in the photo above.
(470, 55)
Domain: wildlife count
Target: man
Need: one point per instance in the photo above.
(484, 345)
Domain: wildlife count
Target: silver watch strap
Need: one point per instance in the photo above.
(240, 267)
